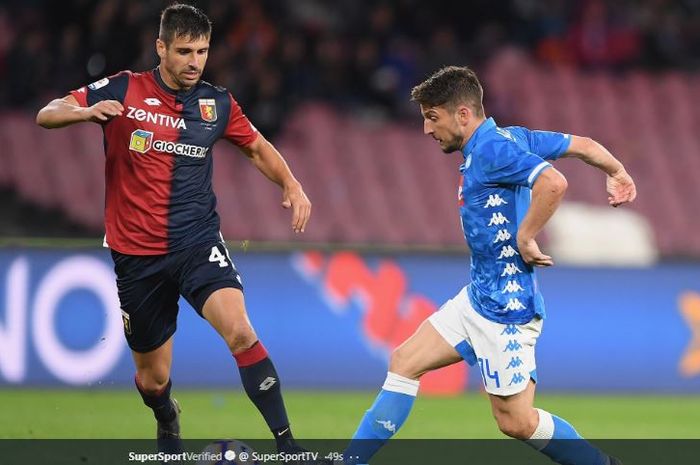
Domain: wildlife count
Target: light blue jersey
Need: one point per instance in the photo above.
(500, 166)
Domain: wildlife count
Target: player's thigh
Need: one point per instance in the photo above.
(505, 353)
(148, 300)
(424, 351)
(203, 270)
(225, 311)
(450, 323)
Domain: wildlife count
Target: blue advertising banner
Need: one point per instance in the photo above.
(331, 320)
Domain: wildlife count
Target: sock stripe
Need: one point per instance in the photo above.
(251, 356)
(544, 431)
(401, 384)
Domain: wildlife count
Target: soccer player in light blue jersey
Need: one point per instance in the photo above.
(508, 191)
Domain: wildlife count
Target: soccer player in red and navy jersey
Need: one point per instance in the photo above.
(160, 217)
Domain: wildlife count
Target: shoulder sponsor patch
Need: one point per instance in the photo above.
(98, 84)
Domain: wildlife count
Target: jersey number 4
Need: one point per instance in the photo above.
(217, 257)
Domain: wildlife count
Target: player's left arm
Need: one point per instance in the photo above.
(620, 185)
(270, 162)
(547, 192)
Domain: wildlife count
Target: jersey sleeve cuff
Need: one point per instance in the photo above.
(535, 173)
(80, 95)
(249, 140)
(564, 146)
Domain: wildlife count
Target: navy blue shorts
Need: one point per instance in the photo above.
(150, 286)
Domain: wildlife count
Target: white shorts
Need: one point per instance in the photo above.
(505, 352)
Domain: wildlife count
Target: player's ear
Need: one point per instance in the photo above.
(464, 114)
(160, 48)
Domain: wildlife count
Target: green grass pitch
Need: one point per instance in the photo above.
(329, 415)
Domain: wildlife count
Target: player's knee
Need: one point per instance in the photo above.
(517, 427)
(152, 382)
(240, 338)
(512, 428)
(400, 363)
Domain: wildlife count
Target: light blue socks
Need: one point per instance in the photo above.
(559, 441)
(383, 419)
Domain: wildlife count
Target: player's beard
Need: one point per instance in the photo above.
(453, 145)
(185, 81)
(178, 77)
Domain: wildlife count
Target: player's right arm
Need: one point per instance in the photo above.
(620, 186)
(65, 111)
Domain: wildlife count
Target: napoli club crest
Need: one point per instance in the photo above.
(207, 108)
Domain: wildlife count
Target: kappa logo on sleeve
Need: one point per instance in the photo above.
(98, 84)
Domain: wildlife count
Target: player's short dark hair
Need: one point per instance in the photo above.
(451, 86)
(180, 20)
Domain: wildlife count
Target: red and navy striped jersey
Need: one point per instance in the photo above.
(158, 171)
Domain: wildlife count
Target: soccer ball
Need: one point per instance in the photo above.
(228, 452)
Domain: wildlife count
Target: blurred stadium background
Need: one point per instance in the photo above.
(328, 83)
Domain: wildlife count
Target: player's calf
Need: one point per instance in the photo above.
(158, 400)
(262, 384)
(167, 413)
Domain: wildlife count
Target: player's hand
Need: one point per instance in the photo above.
(103, 111)
(621, 188)
(294, 197)
(530, 252)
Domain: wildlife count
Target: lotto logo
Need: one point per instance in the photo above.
(141, 141)
(267, 384)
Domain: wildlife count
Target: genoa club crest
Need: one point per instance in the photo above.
(207, 108)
